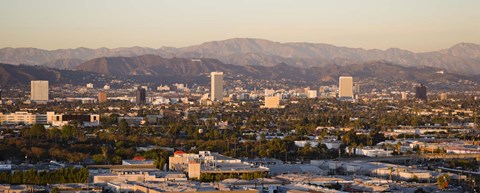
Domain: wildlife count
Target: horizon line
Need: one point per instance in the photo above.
(306, 42)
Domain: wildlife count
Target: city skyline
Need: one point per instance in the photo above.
(412, 25)
(212, 96)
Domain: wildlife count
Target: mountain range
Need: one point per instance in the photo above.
(155, 70)
(15, 75)
(462, 58)
(153, 65)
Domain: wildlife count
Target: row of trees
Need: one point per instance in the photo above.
(38, 132)
(210, 177)
(64, 175)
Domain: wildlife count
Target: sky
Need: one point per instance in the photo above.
(416, 25)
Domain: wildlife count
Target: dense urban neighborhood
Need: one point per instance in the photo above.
(227, 137)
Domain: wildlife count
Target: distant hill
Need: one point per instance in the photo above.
(34, 56)
(155, 66)
(463, 58)
(67, 63)
(11, 75)
(154, 69)
(152, 65)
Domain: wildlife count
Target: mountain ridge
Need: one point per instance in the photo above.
(461, 58)
(155, 70)
(152, 65)
(14, 75)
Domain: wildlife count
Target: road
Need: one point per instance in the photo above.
(411, 157)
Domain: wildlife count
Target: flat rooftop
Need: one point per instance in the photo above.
(231, 168)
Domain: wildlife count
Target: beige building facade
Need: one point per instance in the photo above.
(216, 86)
(345, 87)
(39, 90)
(272, 101)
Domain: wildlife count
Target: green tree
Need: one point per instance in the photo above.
(54, 190)
(123, 127)
(54, 133)
(68, 131)
(442, 181)
(37, 130)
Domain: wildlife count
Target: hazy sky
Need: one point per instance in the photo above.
(417, 25)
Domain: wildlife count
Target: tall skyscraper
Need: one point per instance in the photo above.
(404, 95)
(102, 97)
(216, 86)
(443, 96)
(345, 87)
(312, 94)
(272, 101)
(421, 92)
(39, 90)
(356, 89)
(89, 85)
(141, 97)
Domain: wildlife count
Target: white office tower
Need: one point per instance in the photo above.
(216, 86)
(106, 87)
(404, 96)
(39, 90)
(345, 87)
(356, 89)
(272, 102)
(443, 96)
(312, 94)
(89, 85)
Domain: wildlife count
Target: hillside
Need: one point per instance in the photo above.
(152, 65)
(463, 58)
(154, 69)
(67, 63)
(156, 66)
(11, 75)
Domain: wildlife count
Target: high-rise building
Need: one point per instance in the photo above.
(102, 97)
(39, 90)
(0, 94)
(421, 92)
(404, 96)
(345, 87)
(272, 101)
(443, 96)
(141, 97)
(216, 86)
(89, 85)
(356, 89)
(312, 94)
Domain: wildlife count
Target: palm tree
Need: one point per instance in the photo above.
(390, 173)
(398, 147)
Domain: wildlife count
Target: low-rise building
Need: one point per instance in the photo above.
(63, 119)
(212, 163)
(20, 117)
(372, 152)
